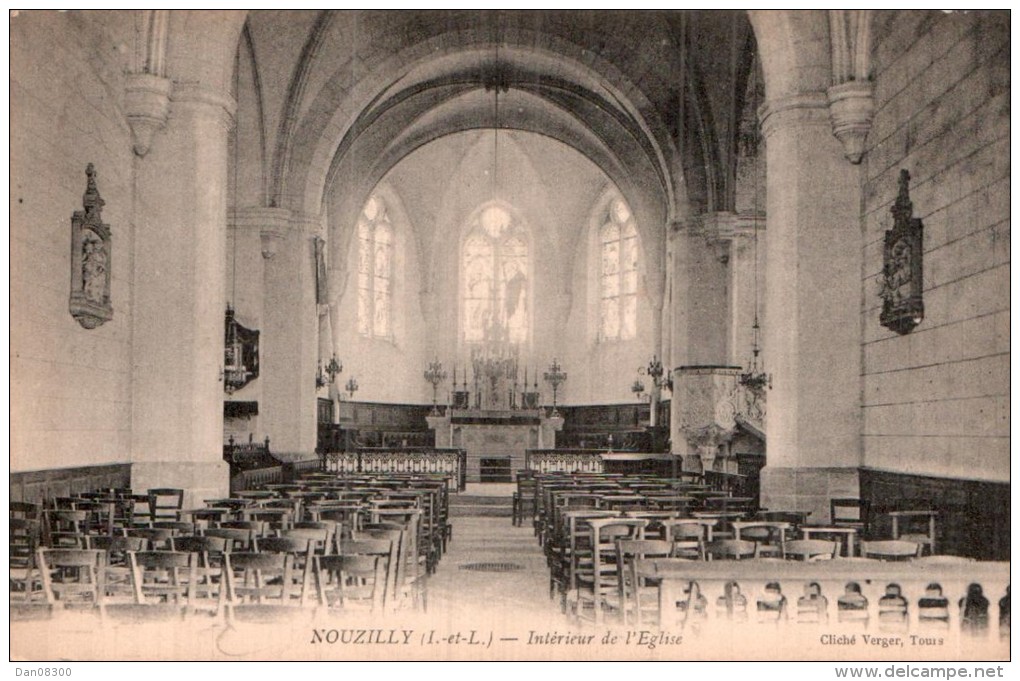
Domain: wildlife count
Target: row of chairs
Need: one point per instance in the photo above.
(588, 563)
(266, 584)
(346, 513)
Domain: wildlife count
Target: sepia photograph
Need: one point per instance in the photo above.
(510, 335)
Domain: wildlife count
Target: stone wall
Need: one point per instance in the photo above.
(70, 387)
(936, 401)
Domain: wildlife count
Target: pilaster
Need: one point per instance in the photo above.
(180, 251)
(812, 318)
(291, 337)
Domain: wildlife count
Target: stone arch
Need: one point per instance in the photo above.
(201, 46)
(795, 50)
(327, 123)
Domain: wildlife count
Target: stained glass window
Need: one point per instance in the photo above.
(495, 273)
(375, 270)
(618, 274)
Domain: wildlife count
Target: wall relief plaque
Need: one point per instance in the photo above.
(902, 272)
(91, 248)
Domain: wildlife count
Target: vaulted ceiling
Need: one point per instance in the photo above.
(331, 101)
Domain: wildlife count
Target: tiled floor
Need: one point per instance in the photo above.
(518, 595)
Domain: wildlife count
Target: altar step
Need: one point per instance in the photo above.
(477, 505)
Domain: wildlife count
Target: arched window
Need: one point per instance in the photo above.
(375, 270)
(495, 272)
(618, 273)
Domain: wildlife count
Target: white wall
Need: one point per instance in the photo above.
(936, 401)
(70, 387)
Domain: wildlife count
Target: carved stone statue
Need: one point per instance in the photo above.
(91, 250)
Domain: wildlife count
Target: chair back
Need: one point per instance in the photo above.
(158, 537)
(849, 512)
(891, 549)
(346, 581)
(165, 503)
(209, 549)
(24, 510)
(733, 549)
(810, 549)
(72, 577)
(162, 577)
(263, 585)
(237, 538)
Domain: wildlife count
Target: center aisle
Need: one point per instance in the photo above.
(493, 574)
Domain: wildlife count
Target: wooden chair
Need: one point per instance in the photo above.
(237, 538)
(24, 510)
(849, 512)
(24, 579)
(276, 518)
(638, 596)
(688, 539)
(562, 544)
(65, 528)
(209, 549)
(116, 564)
(162, 577)
(176, 527)
(72, 577)
(387, 550)
(165, 503)
(524, 502)
(770, 536)
(810, 549)
(320, 534)
(350, 581)
(916, 526)
(301, 550)
(732, 549)
(136, 510)
(891, 549)
(206, 579)
(595, 570)
(261, 586)
(158, 538)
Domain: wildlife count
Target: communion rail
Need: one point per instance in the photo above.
(425, 461)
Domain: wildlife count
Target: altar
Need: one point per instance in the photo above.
(496, 440)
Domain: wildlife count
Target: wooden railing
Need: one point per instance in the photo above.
(597, 461)
(936, 599)
(426, 461)
(564, 460)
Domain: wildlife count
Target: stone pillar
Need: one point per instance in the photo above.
(290, 339)
(812, 324)
(245, 277)
(732, 235)
(179, 300)
(705, 415)
(699, 307)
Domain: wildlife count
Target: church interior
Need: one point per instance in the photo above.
(532, 319)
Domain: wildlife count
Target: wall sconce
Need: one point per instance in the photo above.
(352, 386)
(656, 371)
(638, 388)
(332, 368)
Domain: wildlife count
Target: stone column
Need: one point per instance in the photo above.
(291, 337)
(812, 309)
(732, 237)
(705, 424)
(179, 300)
